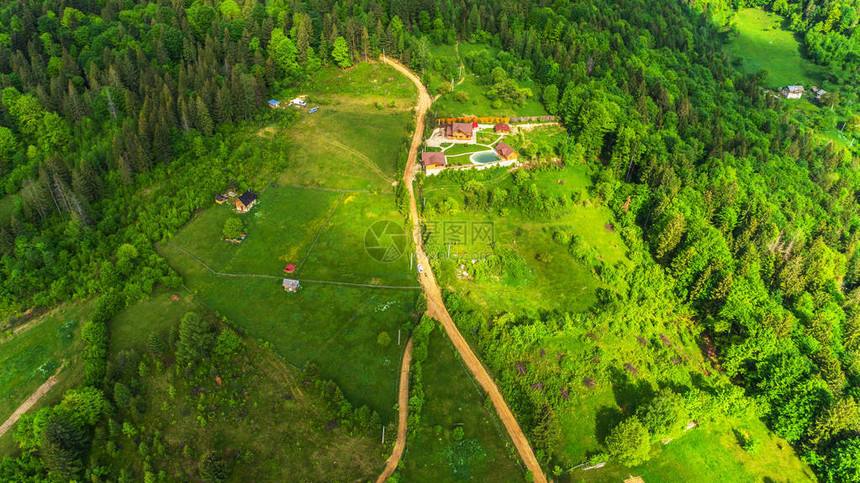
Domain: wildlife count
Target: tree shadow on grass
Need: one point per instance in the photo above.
(628, 391)
(629, 394)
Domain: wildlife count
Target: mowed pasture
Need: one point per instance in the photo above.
(337, 184)
(357, 138)
(334, 326)
(321, 232)
(453, 400)
(762, 44)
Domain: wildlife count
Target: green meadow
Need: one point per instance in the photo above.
(29, 357)
(712, 453)
(762, 44)
(357, 139)
(336, 185)
(34, 353)
(477, 103)
(285, 429)
(453, 400)
(595, 358)
(562, 283)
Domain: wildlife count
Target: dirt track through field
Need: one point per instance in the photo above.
(436, 306)
(26, 405)
(402, 415)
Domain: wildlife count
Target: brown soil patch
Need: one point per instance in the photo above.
(631, 369)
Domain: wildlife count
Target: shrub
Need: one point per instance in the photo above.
(461, 96)
(233, 228)
(629, 442)
(383, 339)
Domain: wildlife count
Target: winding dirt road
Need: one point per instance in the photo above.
(436, 307)
(402, 414)
(26, 405)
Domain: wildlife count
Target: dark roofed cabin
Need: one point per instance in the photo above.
(500, 128)
(246, 201)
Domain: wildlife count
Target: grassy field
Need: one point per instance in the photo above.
(322, 231)
(562, 283)
(712, 454)
(589, 348)
(356, 138)
(333, 326)
(284, 429)
(477, 103)
(31, 356)
(762, 43)
(453, 400)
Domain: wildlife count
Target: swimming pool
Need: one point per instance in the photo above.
(484, 157)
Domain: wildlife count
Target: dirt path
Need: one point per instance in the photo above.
(402, 414)
(26, 405)
(436, 307)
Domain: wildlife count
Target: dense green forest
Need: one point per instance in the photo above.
(120, 118)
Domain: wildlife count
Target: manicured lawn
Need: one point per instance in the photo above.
(452, 399)
(762, 43)
(465, 149)
(284, 428)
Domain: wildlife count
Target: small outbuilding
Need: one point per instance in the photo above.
(792, 92)
(274, 104)
(505, 152)
(502, 128)
(291, 285)
(244, 202)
